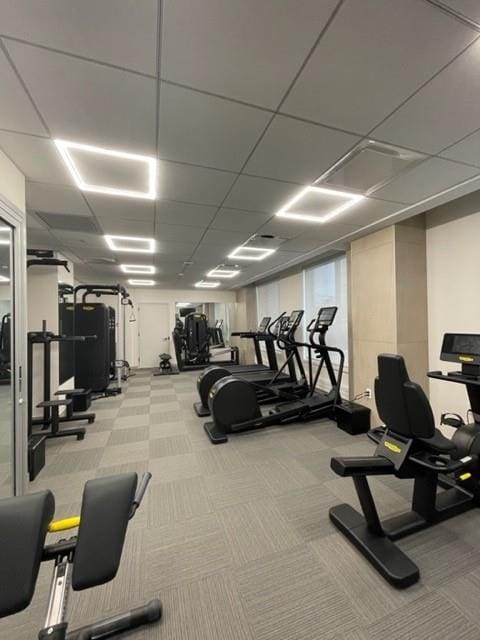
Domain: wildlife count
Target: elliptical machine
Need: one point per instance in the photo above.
(234, 405)
(268, 383)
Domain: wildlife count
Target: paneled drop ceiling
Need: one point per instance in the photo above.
(243, 103)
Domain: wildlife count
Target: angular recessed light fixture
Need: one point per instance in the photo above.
(223, 272)
(137, 268)
(131, 244)
(251, 253)
(4, 279)
(205, 284)
(141, 283)
(318, 204)
(65, 148)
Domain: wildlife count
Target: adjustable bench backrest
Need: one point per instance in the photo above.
(402, 405)
(23, 527)
(106, 507)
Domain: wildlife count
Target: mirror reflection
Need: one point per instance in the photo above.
(6, 359)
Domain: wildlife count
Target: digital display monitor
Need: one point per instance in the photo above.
(326, 316)
(461, 347)
(262, 327)
(295, 319)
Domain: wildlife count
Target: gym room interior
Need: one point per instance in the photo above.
(239, 349)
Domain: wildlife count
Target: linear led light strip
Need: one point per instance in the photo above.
(257, 253)
(64, 147)
(223, 273)
(205, 284)
(115, 244)
(137, 268)
(351, 200)
(141, 283)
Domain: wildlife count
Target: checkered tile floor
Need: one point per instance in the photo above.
(236, 540)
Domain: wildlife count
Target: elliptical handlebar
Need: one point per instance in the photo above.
(274, 323)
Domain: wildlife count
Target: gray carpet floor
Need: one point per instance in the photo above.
(235, 539)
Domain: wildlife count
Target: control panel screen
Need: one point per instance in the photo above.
(461, 347)
(262, 327)
(326, 316)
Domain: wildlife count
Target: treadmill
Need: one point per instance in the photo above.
(259, 336)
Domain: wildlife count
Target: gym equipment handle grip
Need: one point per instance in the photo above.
(140, 492)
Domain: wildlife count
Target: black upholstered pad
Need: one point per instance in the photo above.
(23, 526)
(106, 507)
(438, 443)
(402, 404)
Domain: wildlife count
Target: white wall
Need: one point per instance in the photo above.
(12, 182)
(453, 276)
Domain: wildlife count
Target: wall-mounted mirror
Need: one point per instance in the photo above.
(219, 317)
(7, 416)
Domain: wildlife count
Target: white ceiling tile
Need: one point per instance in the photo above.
(202, 129)
(55, 199)
(39, 236)
(188, 183)
(90, 103)
(467, 150)
(260, 194)
(298, 151)
(444, 111)
(429, 178)
(367, 211)
(34, 222)
(303, 242)
(25, 152)
(179, 250)
(282, 227)
(131, 227)
(120, 33)
(105, 206)
(468, 8)
(226, 239)
(178, 233)
(373, 56)
(247, 50)
(16, 110)
(182, 213)
(237, 220)
(210, 254)
(86, 240)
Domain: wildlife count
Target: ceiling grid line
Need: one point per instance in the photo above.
(24, 86)
(78, 56)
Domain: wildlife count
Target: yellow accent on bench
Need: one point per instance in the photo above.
(63, 525)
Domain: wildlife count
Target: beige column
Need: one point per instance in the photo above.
(388, 303)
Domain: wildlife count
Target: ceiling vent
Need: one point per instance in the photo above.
(65, 222)
(263, 241)
(369, 166)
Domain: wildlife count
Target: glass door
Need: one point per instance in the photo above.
(7, 363)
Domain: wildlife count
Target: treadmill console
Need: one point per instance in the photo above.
(290, 324)
(463, 348)
(325, 317)
(262, 327)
